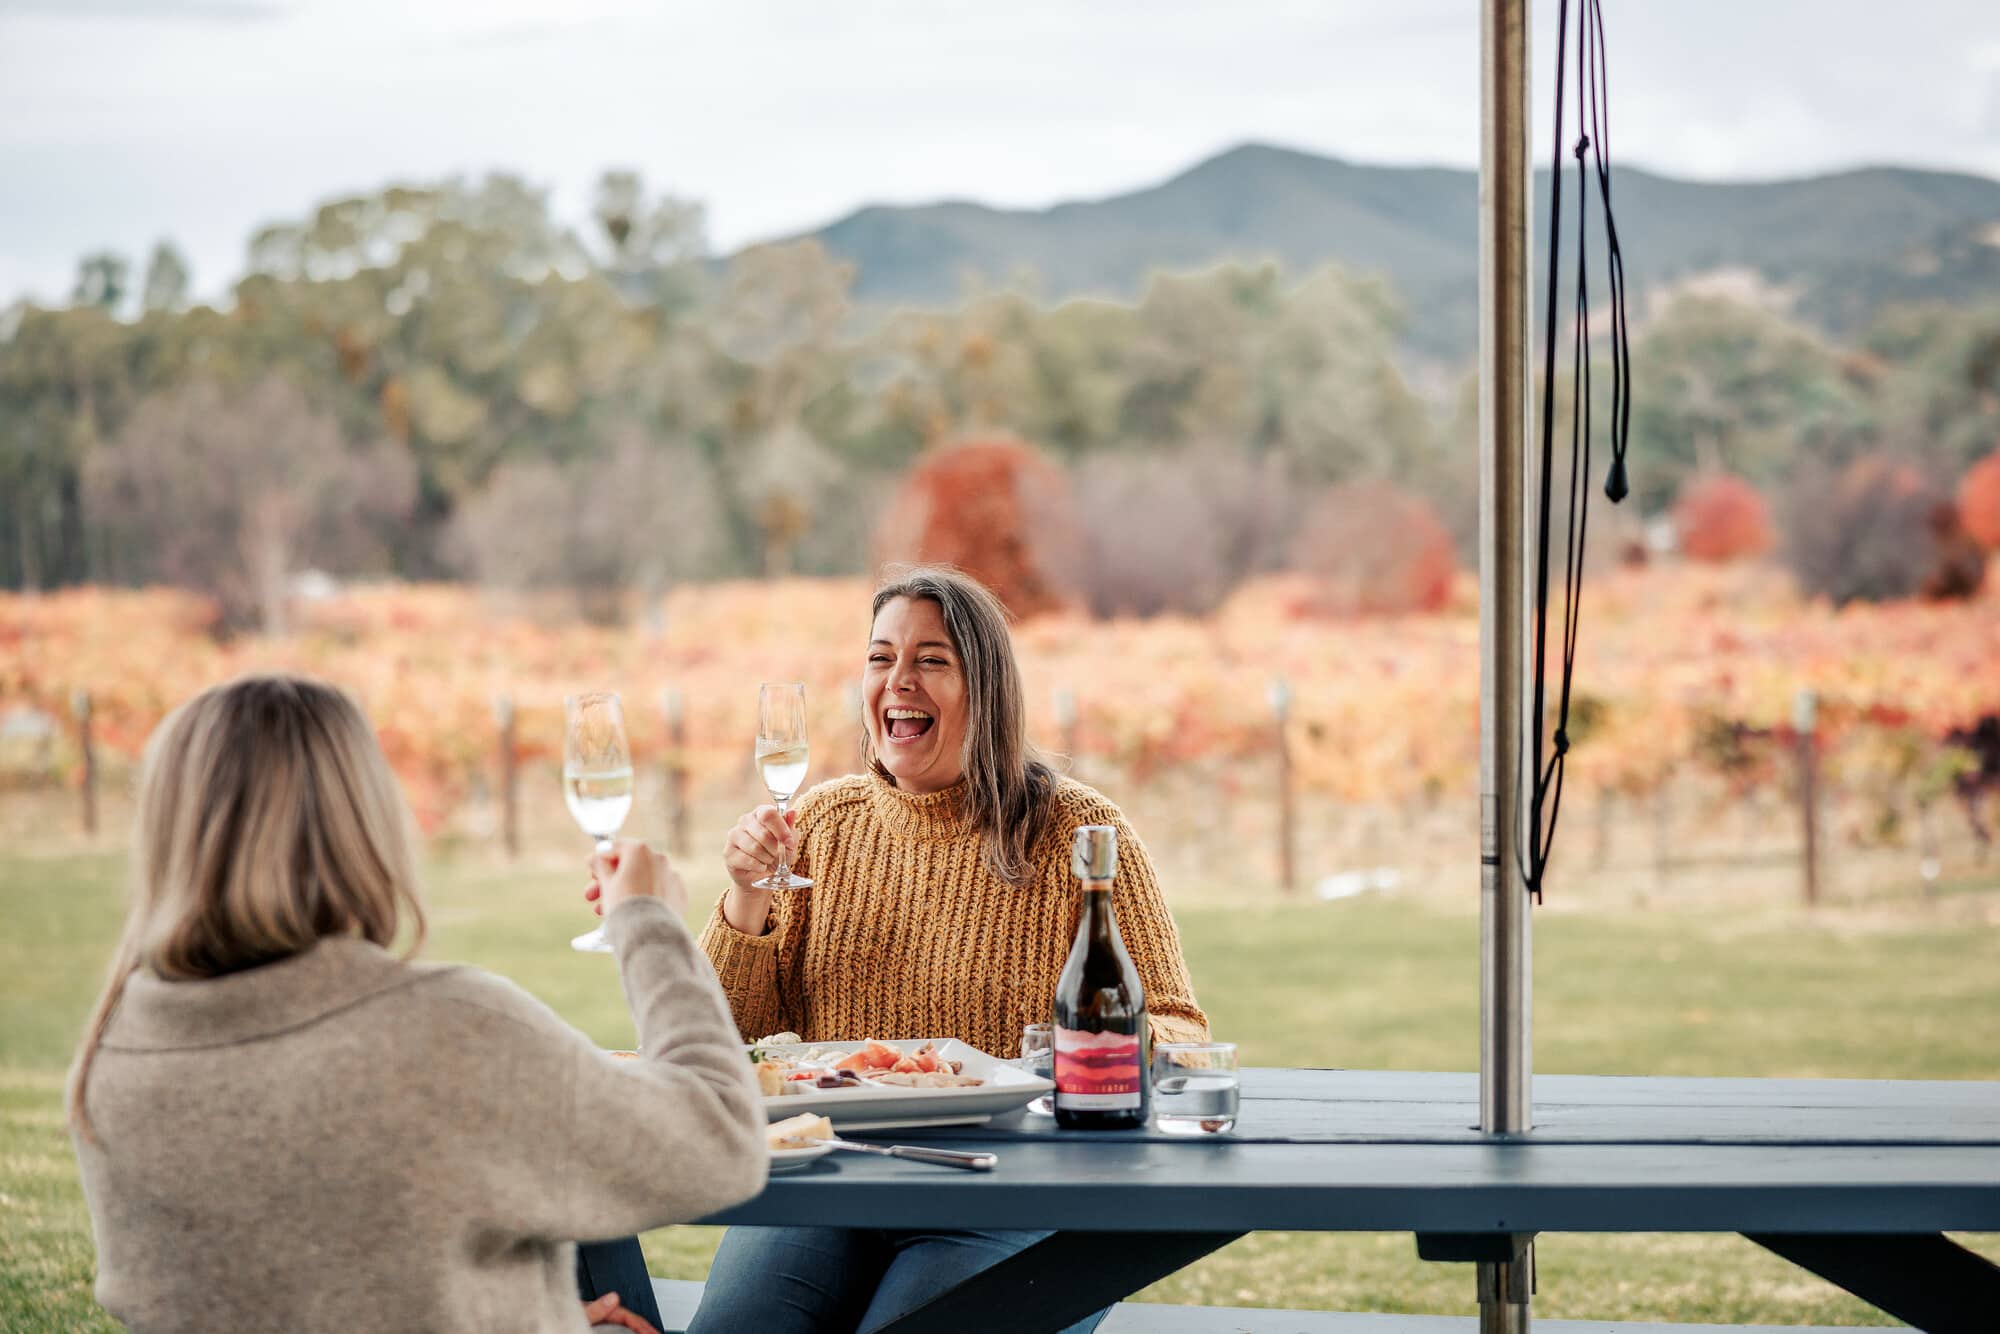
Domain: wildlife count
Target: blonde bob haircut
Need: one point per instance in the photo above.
(267, 820)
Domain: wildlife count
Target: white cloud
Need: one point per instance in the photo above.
(780, 115)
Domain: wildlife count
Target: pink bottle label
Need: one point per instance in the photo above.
(1097, 1072)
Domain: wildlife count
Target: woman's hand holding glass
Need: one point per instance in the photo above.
(755, 847)
(631, 870)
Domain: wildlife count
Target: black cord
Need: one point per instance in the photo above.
(1550, 755)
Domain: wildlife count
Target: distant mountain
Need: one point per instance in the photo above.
(1842, 244)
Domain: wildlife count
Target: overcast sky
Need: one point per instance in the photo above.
(124, 121)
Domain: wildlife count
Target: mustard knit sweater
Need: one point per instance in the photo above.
(906, 934)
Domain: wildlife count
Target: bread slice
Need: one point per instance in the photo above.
(800, 1132)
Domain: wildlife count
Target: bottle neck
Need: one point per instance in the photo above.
(1098, 921)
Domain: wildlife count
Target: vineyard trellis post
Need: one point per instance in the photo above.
(1280, 695)
(675, 787)
(1065, 711)
(1603, 809)
(1663, 836)
(857, 719)
(1805, 722)
(86, 745)
(510, 806)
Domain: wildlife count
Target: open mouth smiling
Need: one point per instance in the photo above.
(905, 725)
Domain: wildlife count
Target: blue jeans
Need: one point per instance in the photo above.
(803, 1280)
(617, 1266)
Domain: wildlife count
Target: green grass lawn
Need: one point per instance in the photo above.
(1370, 983)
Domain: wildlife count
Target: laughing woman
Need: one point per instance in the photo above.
(941, 906)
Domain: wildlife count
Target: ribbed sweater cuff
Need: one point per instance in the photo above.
(734, 953)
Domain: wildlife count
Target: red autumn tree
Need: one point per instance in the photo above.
(1372, 547)
(1722, 518)
(1000, 510)
(1979, 501)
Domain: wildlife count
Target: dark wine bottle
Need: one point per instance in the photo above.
(1100, 1009)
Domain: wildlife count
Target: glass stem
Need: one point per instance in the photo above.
(784, 871)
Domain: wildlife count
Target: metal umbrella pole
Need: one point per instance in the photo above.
(1505, 1034)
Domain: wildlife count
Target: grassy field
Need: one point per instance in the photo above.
(1898, 990)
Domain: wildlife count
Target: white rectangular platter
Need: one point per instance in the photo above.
(1006, 1087)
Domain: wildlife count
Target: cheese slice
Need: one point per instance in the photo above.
(799, 1132)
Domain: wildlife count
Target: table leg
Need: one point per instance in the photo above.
(1058, 1280)
(1924, 1277)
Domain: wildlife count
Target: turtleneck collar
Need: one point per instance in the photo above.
(927, 815)
(338, 971)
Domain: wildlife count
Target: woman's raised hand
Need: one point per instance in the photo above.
(750, 853)
(751, 850)
(631, 870)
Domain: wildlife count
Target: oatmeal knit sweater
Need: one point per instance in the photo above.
(343, 1141)
(906, 934)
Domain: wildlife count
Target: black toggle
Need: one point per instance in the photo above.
(1615, 487)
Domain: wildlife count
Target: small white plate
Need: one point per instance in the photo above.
(787, 1160)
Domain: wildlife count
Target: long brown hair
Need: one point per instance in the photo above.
(1009, 785)
(267, 819)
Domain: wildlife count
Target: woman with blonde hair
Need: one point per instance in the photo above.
(282, 1125)
(941, 906)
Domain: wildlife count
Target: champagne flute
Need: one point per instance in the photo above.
(781, 761)
(597, 779)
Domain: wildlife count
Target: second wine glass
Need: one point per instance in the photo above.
(597, 779)
(781, 761)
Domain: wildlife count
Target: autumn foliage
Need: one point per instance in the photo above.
(1384, 710)
(998, 509)
(1979, 501)
(1373, 548)
(1722, 518)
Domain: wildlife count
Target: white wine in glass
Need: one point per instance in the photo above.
(783, 769)
(597, 780)
(782, 755)
(599, 800)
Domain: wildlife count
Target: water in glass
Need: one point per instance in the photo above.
(1195, 1088)
(1038, 1057)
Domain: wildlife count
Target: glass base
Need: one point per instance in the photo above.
(593, 941)
(1194, 1125)
(786, 881)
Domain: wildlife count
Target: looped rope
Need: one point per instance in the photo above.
(1593, 114)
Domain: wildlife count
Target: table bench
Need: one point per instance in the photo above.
(1855, 1180)
(679, 1297)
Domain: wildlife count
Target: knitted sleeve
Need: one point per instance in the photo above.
(756, 971)
(747, 967)
(553, 1139)
(1146, 925)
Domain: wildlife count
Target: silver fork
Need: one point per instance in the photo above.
(976, 1162)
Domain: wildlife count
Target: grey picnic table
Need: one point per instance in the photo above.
(1855, 1180)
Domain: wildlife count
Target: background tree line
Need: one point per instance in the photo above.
(451, 382)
